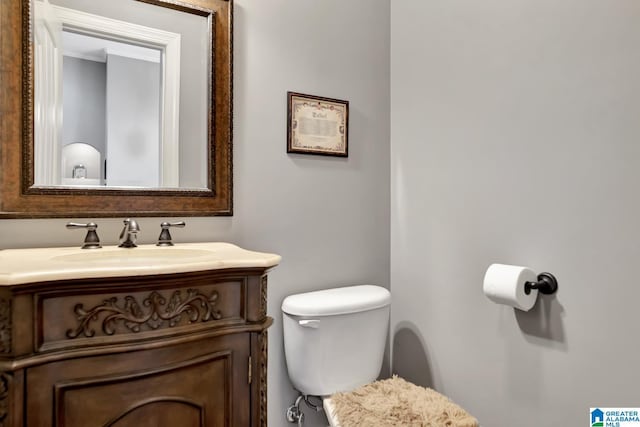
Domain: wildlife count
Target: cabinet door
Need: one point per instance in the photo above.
(202, 383)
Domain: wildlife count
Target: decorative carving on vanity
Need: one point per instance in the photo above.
(156, 314)
(5, 326)
(4, 398)
(263, 296)
(263, 342)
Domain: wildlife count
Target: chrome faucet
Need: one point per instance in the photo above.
(91, 241)
(165, 236)
(129, 234)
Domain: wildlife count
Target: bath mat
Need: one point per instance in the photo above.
(395, 402)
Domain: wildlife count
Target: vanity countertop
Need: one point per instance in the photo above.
(18, 266)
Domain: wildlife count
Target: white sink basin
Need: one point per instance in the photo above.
(48, 264)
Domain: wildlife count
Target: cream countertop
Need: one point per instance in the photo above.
(18, 266)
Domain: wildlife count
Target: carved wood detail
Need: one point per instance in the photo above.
(4, 398)
(264, 343)
(143, 409)
(263, 296)
(5, 326)
(159, 314)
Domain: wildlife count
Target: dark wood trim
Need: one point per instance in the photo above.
(182, 6)
(18, 197)
(131, 283)
(43, 358)
(5, 325)
(263, 340)
(5, 399)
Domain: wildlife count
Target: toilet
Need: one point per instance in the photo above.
(334, 339)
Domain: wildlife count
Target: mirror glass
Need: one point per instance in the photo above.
(121, 90)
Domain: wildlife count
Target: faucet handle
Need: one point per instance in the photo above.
(91, 240)
(165, 237)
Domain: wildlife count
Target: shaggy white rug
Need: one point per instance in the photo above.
(395, 402)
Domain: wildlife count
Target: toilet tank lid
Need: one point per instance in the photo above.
(328, 302)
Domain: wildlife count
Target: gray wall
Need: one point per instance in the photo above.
(327, 217)
(515, 139)
(83, 102)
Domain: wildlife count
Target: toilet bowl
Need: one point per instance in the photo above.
(334, 339)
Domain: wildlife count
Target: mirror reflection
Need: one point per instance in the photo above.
(120, 95)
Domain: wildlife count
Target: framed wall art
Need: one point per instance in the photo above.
(317, 125)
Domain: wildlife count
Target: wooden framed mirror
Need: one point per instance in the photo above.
(115, 108)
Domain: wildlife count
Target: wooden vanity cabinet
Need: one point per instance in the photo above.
(187, 349)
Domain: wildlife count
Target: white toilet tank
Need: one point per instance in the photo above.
(334, 339)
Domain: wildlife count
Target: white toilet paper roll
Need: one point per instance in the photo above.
(504, 284)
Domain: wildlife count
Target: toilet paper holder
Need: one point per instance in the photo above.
(547, 284)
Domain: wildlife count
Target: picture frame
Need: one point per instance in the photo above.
(317, 125)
